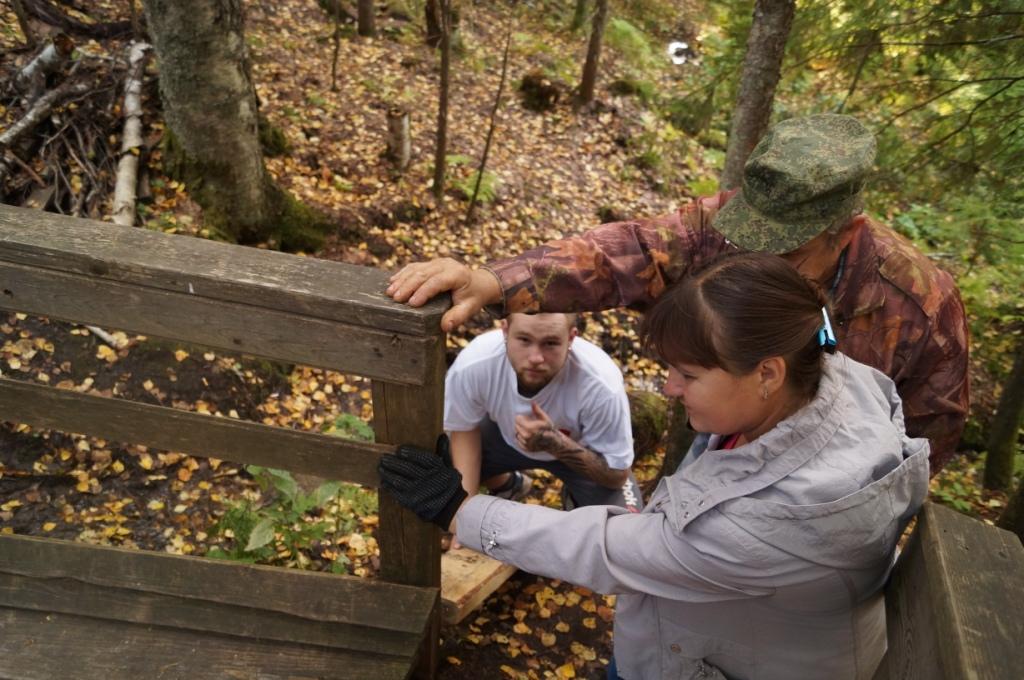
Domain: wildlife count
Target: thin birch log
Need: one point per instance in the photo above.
(31, 80)
(490, 130)
(128, 165)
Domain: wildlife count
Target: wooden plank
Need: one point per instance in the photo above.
(46, 646)
(192, 433)
(309, 595)
(952, 603)
(410, 549)
(467, 579)
(183, 264)
(234, 326)
(69, 596)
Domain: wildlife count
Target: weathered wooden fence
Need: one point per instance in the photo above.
(953, 604)
(74, 610)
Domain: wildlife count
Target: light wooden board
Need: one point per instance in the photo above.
(195, 266)
(196, 434)
(467, 579)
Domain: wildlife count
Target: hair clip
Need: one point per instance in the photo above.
(826, 337)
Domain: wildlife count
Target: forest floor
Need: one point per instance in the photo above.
(557, 172)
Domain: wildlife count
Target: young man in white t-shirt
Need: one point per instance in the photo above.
(533, 395)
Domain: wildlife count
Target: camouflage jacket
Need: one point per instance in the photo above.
(894, 309)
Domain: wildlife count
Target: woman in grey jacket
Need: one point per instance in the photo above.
(764, 555)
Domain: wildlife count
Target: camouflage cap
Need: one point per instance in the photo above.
(803, 177)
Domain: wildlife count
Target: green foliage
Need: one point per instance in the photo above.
(488, 186)
(280, 531)
(631, 43)
(644, 90)
(349, 426)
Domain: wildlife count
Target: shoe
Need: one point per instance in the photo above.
(516, 488)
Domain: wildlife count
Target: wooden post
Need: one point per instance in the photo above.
(410, 549)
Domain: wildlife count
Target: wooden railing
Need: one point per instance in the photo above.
(953, 604)
(250, 301)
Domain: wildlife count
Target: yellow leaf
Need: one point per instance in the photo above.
(548, 639)
(49, 526)
(562, 627)
(10, 505)
(106, 353)
(117, 466)
(588, 606)
(14, 363)
(454, 660)
(180, 355)
(155, 505)
(582, 651)
(146, 461)
(522, 628)
(508, 670)
(590, 622)
(566, 671)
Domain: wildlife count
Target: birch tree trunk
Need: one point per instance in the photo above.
(589, 79)
(123, 212)
(211, 114)
(762, 67)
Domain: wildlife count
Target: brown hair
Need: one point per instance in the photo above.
(738, 310)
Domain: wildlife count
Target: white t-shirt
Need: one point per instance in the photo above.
(586, 399)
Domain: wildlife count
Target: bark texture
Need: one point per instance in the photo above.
(441, 148)
(366, 24)
(211, 112)
(589, 79)
(762, 66)
(123, 212)
(1002, 440)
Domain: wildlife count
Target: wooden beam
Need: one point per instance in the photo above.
(467, 579)
(237, 327)
(69, 596)
(193, 266)
(193, 433)
(410, 549)
(44, 646)
(952, 605)
(307, 595)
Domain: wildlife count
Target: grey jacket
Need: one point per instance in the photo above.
(763, 562)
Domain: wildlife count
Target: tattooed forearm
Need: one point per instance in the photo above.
(579, 458)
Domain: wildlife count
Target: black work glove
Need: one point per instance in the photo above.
(424, 481)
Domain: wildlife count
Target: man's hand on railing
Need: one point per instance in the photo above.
(424, 481)
(472, 289)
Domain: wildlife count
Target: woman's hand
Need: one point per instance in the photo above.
(424, 481)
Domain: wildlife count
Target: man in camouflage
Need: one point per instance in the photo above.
(801, 198)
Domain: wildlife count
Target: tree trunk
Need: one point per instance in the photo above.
(579, 15)
(494, 116)
(123, 211)
(441, 150)
(23, 22)
(366, 23)
(210, 108)
(589, 79)
(399, 140)
(1002, 440)
(762, 67)
(433, 18)
(1012, 518)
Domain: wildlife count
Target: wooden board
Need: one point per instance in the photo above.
(76, 610)
(183, 264)
(467, 579)
(196, 434)
(953, 604)
(234, 326)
